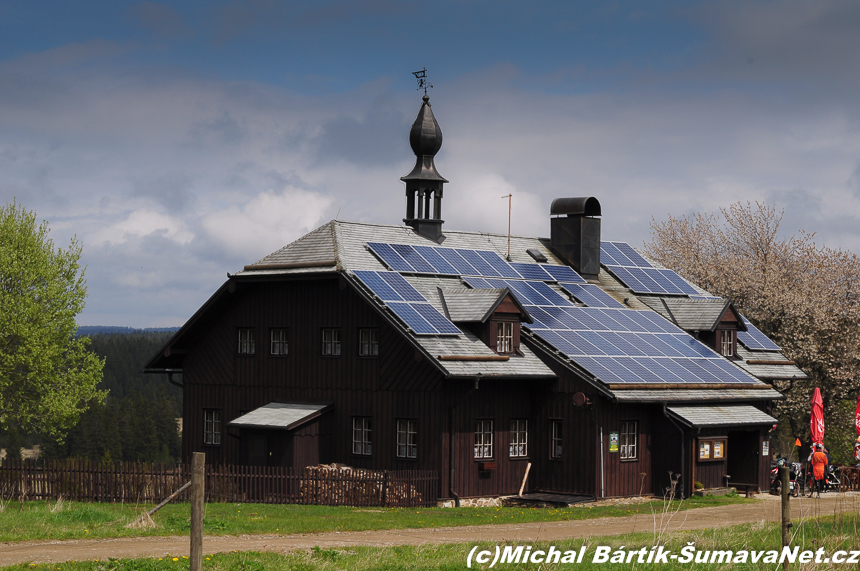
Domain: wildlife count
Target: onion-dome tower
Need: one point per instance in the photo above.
(424, 182)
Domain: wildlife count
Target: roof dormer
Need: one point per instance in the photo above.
(494, 315)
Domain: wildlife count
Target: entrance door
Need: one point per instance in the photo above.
(258, 449)
(742, 456)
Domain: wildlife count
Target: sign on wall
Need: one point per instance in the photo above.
(613, 442)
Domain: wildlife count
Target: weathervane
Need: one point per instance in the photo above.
(421, 76)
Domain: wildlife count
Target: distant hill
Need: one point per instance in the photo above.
(111, 329)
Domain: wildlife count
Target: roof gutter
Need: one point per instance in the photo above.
(169, 373)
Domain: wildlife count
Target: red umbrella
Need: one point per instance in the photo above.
(857, 424)
(857, 416)
(816, 423)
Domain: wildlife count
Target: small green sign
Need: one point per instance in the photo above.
(613, 442)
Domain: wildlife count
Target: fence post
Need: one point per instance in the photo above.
(198, 467)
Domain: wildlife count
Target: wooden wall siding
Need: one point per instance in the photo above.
(711, 473)
(501, 402)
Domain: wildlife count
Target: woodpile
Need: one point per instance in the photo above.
(337, 484)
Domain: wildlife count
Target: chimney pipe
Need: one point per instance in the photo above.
(575, 233)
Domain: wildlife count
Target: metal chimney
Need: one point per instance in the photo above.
(575, 233)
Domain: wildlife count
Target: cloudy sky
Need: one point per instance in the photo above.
(182, 140)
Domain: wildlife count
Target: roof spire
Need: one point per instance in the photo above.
(424, 182)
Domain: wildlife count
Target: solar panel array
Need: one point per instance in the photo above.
(754, 340)
(617, 344)
(463, 262)
(407, 303)
(638, 274)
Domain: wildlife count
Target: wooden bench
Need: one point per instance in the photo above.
(749, 489)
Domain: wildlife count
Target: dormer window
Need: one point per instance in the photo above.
(505, 337)
(727, 343)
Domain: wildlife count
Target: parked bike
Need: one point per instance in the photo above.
(794, 477)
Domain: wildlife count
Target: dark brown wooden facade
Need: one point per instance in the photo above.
(402, 384)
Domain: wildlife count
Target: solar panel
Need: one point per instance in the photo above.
(532, 271)
(591, 295)
(754, 340)
(497, 263)
(413, 258)
(640, 275)
(388, 255)
(433, 256)
(463, 267)
(563, 274)
(407, 303)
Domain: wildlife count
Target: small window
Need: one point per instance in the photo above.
(505, 338)
(484, 439)
(519, 446)
(361, 435)
(407, 446)
(629, 438)
(247, 345)
(331, 342)
(727, 344)
(279, 342)
(211, 426)
(555, 440)
(368, 342)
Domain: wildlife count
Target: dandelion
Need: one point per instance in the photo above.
(176, 559)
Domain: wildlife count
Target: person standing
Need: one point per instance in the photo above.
(819, 463)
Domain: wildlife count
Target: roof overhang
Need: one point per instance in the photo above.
(720, 416)
(280, 416)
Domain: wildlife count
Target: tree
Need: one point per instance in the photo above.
(802, 295)
(47, 375)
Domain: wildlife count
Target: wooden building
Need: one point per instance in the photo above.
(405, 347)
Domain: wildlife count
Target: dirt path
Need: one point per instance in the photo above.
(765, 509)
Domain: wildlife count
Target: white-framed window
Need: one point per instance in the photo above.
(368, 342)
(484, 439)
(279, 346)
(505, 337)
(247, 343)
(331, 342)
(727, 343)
(629, 437)
(407, 439)
(519, 446)
(211, 426)
(555, 440)
(361, 435)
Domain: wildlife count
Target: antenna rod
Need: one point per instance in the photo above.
(508, 196)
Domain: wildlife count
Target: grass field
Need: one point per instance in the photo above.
(830, 533)
(71, 520)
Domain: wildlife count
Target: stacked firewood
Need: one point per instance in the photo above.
(340, 485)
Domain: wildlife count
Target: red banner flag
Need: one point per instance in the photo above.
(816, 422)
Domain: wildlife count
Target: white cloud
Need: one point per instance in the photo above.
(140, 223)
(265, 223)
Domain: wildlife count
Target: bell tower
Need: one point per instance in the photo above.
(424, 183)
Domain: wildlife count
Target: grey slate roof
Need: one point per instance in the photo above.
(345, 244)
(780, 369)
(716, 415)
(285, 416)
(465, 304)
(689, 314)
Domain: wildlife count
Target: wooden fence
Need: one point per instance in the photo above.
(81, 480)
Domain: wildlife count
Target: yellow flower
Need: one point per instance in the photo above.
(176, 559)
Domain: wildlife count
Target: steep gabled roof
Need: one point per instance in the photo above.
(342, 248)
(693, 314)
(476, 305)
